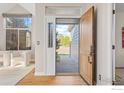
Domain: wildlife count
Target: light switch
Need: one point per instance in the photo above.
(38, 42)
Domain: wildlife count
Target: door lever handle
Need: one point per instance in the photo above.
(90, 59)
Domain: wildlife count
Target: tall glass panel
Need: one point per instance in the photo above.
(24, 40)
(11, 39)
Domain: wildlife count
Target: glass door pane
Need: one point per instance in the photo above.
(11, 39)
(24, 40)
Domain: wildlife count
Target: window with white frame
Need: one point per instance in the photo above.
(18, 32)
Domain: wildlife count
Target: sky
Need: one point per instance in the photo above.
(27, 21)
(63, 29)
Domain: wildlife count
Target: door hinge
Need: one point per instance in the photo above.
(113, 11)
(113, 47)
(99, 77)
(113, 82)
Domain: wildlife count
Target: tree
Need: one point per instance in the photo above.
(65, 41)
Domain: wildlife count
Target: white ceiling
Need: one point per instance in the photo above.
(119, 7)
(4, 7)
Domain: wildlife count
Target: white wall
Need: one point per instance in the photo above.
(40, 49)
(5, 7)
(50, 51)
(18, 9)
(119, 58)
(104, 43)
(30, 7)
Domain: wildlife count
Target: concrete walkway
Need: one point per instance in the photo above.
(66, 65)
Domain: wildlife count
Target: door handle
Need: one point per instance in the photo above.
(90, 59)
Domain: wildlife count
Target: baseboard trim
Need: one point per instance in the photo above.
(39, 74)
(43, 74)
(67, 74)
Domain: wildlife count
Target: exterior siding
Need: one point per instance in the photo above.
(75, 43)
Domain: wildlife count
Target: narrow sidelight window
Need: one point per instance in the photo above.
(50, 35)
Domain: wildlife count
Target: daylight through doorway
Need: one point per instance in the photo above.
(67, 43)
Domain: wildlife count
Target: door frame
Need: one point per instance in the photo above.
(113, 42)
(57, 74)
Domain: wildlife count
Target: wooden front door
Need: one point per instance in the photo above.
(87, 46)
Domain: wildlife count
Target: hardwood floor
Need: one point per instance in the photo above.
(30, 79)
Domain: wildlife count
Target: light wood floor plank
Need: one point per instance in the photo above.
(30, 79)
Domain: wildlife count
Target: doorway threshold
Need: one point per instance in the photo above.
(67, 74)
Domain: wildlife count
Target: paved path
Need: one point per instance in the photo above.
(63, 50)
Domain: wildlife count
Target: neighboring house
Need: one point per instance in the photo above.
(75, 43)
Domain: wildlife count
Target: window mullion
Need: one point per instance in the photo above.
(18, 39)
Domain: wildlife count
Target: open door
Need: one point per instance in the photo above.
(87, 46)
